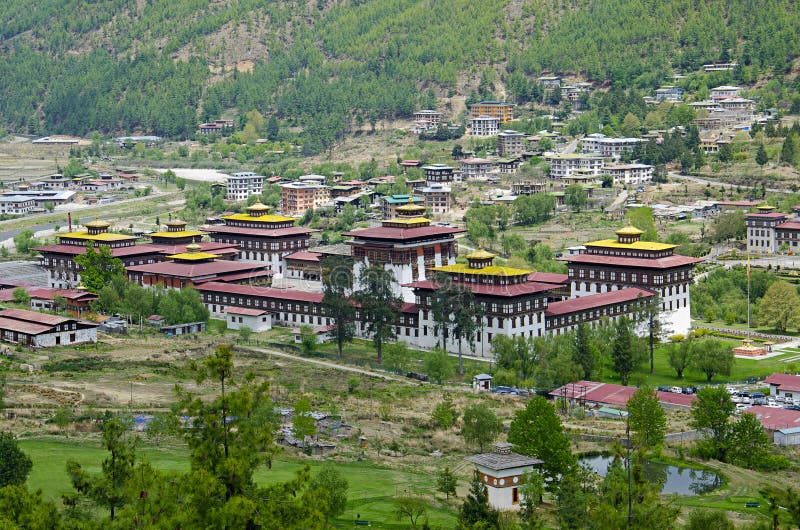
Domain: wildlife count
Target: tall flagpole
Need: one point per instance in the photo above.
(748, 293)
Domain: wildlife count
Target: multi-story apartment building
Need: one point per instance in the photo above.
(437, 198)
(242, 185)
(484, 125)
(475, 168)
(496, 109)
(600, 144)
(434, 118)
(565, 165)
(629, 174)
(441, 173)
(297, 197)
(510, 143)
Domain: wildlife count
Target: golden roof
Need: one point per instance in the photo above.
(175, 222)
(193, 247)
(629, 230)
(411, 221)
(177, 234)
(481, 254)
(765, 207)
(493, 270)
(193, 256)
(258, 207)
(410, 208)
(97, 223)
(636, 245)
(267, 218)
(103, 236)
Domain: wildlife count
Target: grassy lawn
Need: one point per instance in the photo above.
(371, 487)
(742, 370)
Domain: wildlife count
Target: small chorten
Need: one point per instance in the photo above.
(629, 234)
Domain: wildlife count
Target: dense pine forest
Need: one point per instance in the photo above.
(160, 66)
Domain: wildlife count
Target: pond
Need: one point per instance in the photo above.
(674, 479)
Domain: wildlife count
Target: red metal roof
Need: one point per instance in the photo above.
(409, 307)
(518, 289)
(788, 225)
(34, 316)
(612, 394)
(549, 277)
(257, 232)
(667, 262)
(773, 419)
(246, 311)
(46, 293)
(20, 326)
(205, 246)
(305, 256)
(784, 382)
(265, 292)
(593, 301)
(403, 234)
(196, 270)
(770, 215)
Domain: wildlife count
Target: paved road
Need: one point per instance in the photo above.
(619, 201)
(704, 182)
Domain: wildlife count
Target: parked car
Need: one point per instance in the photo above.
(741, 407)
(676, 390)
(664, 389)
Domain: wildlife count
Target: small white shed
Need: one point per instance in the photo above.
(244, 317)
(788, 436)
(502, 471)
(482, 383)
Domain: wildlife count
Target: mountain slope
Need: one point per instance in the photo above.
(71, 66)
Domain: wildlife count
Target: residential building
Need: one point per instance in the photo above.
(719, 67)
(304, 265)
(207, 129)
(528, 187)
(564, 165)
(602, 145)
(475, 168)
(40, 330)
(256, 320)
(509, 166)
(437, 198)
(441, 173)
(629, 174)
(390, 204)
(297, 197)
(510, 143)
(496, 109)
(261, 236)
(242, 185)
(433, 117)
(669, 93)
(549, 82)
(784, 385)
(502, 472)
(408, 246)
(614, 264)
(724, 91)
(42, 198)
(483, 125)
(761, 230)
(16, 204)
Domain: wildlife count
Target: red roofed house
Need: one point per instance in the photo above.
(256, 320)
(773, 419)
(786, 385)
(614, 264)
(761, 229)
(304, 265)
(40, 330)
(612, 394)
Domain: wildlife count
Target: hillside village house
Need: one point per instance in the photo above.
(433, 117)
(510, 143)
(600, 144)
(669, 93)
(724, 91)
(437, 198)
(565, 165)
(629, 174)
(390, 204)
(261, 236)
(475, 168)
(441, 173)
(769, 232)
(16, 204)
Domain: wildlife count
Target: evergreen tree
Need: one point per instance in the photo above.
(379, 306)
(787, 150)
(475, 509)
(337, 282)
(622, 350)
(14, 464)
(583, 351)
(761, 156)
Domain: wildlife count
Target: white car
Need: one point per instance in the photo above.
(676, 390)
(736, 398)
(741, 407)
(773, 403)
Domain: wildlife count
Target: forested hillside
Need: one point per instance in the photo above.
(160, 66)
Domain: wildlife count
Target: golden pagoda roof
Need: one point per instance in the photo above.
(193, 247)
(410, 221)
(193, 253)
(267, 218)
(176, 234)
(258, 207)
(636, 245)
(629, 230)
(175, 222)
(410, 208)
(481, 254)
(765, 207)
(493, 270)
(103, 236)
(97, 223)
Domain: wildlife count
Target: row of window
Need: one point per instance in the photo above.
(658, 279)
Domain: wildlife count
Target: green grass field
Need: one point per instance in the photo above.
(371, 487)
